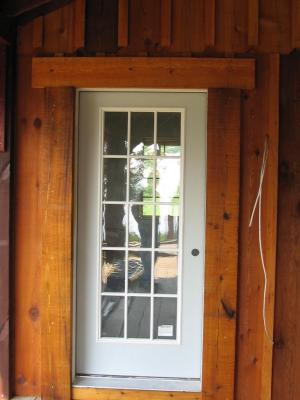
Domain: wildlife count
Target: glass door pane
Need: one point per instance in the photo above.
(140, 248)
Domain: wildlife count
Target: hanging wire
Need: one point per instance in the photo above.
(258, 203)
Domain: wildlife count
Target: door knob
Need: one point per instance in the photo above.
(195, 252)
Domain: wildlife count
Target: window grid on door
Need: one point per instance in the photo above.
(124, 297)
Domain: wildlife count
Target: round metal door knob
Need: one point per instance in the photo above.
(195, 252)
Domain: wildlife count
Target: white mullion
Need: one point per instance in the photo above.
(180, 238)
(114, 202)
(140, 203)
(139, 294)
(153, 226)
(114, 156)
(100, 233)
(127, 227)
(143, 157)
(121, 294)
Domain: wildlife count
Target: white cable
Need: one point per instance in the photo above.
(258, 202)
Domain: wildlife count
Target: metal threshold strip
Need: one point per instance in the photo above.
(138, 383)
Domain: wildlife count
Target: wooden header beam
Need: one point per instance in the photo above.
(143, 72)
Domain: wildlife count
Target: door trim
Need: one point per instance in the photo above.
(223, 157)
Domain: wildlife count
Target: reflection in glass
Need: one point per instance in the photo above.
(167, 226)
(113, 225)
(168, 133)
(140, 225)
(168, 180)
(165, 273)
(165, 318)
(115, 133)
(138, 324)
(141, 180)
(114, 179)
(112, 316)
(113, 271)
(142, 133)
(139, 271)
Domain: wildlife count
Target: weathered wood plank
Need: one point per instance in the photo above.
(29, 200)
(102, 25)
(253, 22)
(79, 24)
(37, 39)
(275, 29)
(4, 276)
(210, 22)
(106, 394)
(57, 245)
(166, 23)
(188, 21)
(2, 95)
(286, 367)
(295, 16)
(144, 32)
(185, 73)
(123, 23)
(222, 213)
(58, 30)
(259, 120)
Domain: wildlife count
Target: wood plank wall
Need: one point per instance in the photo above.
(286, 381)
(2, 95)
(233, 28)
(4, 273)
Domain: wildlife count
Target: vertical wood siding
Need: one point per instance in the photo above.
(259, 120)
(56, 276)
(286, 376)
(2, 95)
(4, 275)
(29, 201)
(54, 34)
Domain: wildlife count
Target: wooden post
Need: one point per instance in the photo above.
(57, 246)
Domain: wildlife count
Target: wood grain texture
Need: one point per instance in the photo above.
(275, 27)
(2, 96)
(123, 23)
(79, 24)
(188, 21)
(102, 25)
(209, 22)
(29, 200)
(58, 30)
(286, 368)
(222, 200)
(38, 33)
(166, 23)
(4, 275)
(57, 245)
(113, 72)
(253, 22)
(295, 24)
(259, 120)
(106, 394)
(144, 33)
(231, 26)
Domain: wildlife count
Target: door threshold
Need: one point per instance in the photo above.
(138, 383)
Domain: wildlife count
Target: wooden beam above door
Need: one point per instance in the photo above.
(143, 72)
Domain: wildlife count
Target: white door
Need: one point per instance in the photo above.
(140, 239)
